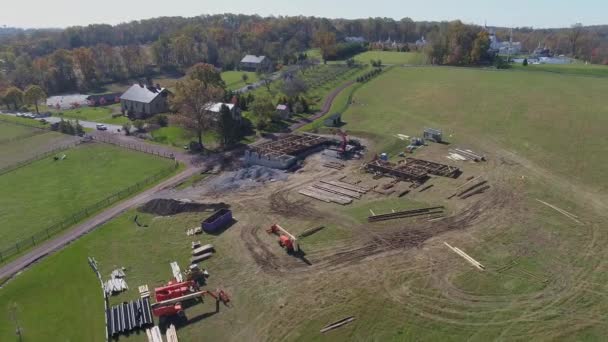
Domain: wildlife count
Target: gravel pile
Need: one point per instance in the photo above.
(251, 176)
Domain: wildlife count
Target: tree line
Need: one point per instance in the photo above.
(82, 58)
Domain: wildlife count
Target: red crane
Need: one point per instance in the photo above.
(286, 239)
(344, 143)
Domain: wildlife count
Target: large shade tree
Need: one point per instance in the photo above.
(33, 95)
(192, 100)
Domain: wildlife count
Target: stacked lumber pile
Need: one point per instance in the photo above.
(154, 334)
(116, 283)
(177, 272)
(144, 292)
(462, 154)
(334, 192)
(171, 334)
(202, 253)
(433, 211)
(334, 165)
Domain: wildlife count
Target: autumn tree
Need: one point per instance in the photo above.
(207, 74)
(263, 109)
(481, 46)
(191, 100)
(84, 62)
(326, 42)
(33, 95)
(14, 96)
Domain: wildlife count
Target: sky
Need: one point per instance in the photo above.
(505, 13)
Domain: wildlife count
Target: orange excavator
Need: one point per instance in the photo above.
(169, 298)
(286, 239)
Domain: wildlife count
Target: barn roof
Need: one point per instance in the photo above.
(141, 93)
(253, 59)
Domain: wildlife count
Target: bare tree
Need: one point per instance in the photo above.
(575, 33)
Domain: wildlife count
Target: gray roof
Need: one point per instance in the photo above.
(143, 94)
(253, 59)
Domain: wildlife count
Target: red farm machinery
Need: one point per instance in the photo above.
(169, 298)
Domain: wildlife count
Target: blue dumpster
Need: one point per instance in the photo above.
(220, 219)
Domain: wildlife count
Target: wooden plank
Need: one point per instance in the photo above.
(202, 249)
(313, 195)
(346, 186)
(338, 190)
(337, 324)
(333, 197)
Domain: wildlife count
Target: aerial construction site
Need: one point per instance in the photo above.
(302, 208)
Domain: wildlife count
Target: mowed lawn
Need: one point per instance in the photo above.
(392, 57)
(557, 121)
(16, 151)
(94, 114)
(234, 79)
(580, 69)
(9, 131)
(47, 191)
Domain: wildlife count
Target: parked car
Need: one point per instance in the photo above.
(101, 127)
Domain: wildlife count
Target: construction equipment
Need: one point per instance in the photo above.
(172, 307)
(286, 239)
(170, 297)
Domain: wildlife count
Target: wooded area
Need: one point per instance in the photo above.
(83, 58)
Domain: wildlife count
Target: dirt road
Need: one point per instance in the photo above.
(324, 110)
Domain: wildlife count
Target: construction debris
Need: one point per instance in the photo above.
(203, 249)
(403, 193)
(466, 257)
(478, 191)
(337, 324)
(144, 291)
(405, 214)
(433, 168)
(334, 165)
(284, 152)
(126, 317)
(193, 231)
(347, 186)
(199, 258)
(426, 188)
(154, 334)
(467, 154)
(337, 190)
(171, 334)
(311, 231)
(116, 283)
(177, 272)
(561, 211)
(325, 196)
(474, 186)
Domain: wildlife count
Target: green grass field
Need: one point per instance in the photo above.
(47, 191)
(575, 69)
(545, 273)
(234, 80)
(391, 57)
(552, 119)
(12, 131)
(94, 114)
(17, 151)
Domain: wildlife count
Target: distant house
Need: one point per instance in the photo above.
(283, 111)
(216, 108)
(421, 42)
(255, 63)
(142, 101)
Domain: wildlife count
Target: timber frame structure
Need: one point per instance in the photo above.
(291, 144)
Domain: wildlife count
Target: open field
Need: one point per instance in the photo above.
(94, 114)
(14, 152)
(234, 80)
(46, 191)
(391, 57)
(9, 131)
(508, 109)
(545, 271)
(580, 69)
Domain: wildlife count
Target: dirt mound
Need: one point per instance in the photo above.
(165, 207)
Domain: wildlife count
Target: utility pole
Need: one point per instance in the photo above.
(15, 319)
